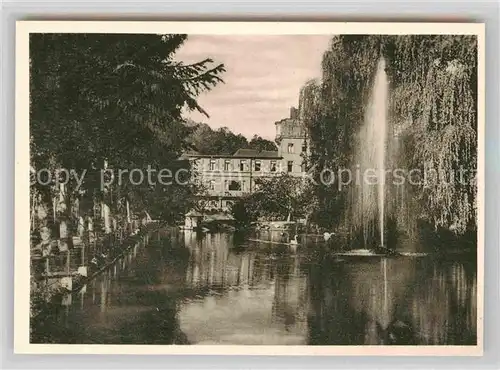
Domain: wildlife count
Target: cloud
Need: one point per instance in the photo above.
(263, 79)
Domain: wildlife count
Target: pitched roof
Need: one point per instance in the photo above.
(245, 152)
(240, 153)
(256, 153)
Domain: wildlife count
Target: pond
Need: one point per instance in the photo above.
(186, 288)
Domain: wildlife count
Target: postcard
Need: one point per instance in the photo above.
(285, 188)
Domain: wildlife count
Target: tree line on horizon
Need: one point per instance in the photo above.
(205, 140)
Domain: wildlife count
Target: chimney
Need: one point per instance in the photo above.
(294, 113)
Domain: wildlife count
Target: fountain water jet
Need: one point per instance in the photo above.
(369, 196)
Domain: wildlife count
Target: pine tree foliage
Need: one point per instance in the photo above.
(111, 97)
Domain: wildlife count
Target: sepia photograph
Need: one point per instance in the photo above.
(312, 188)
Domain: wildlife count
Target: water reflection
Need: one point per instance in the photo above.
(186, 288)
(244, 296)
(394, 301)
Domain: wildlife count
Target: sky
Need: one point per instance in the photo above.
(263, 78)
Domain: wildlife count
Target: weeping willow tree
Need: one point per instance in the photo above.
(434, 100)
(333, 112)
(432, 118)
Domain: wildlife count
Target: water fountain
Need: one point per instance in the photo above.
(369, 195)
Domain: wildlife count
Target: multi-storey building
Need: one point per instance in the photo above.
(291, 137)
(227, 177)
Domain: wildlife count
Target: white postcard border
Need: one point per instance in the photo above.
(22, 238)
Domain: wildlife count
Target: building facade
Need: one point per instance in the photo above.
(228, 177)
(291, 137)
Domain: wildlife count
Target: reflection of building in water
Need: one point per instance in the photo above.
(264, 300)
(290, 305)
(212, 265)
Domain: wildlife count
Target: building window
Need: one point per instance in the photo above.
(289, 166)
(227, 165)
(304, 148)
(303, 167)
(211, 185)
(243, 165)
(290, 148)
(273, 166)
(212, 165)
(257, 166)
(234, 185)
